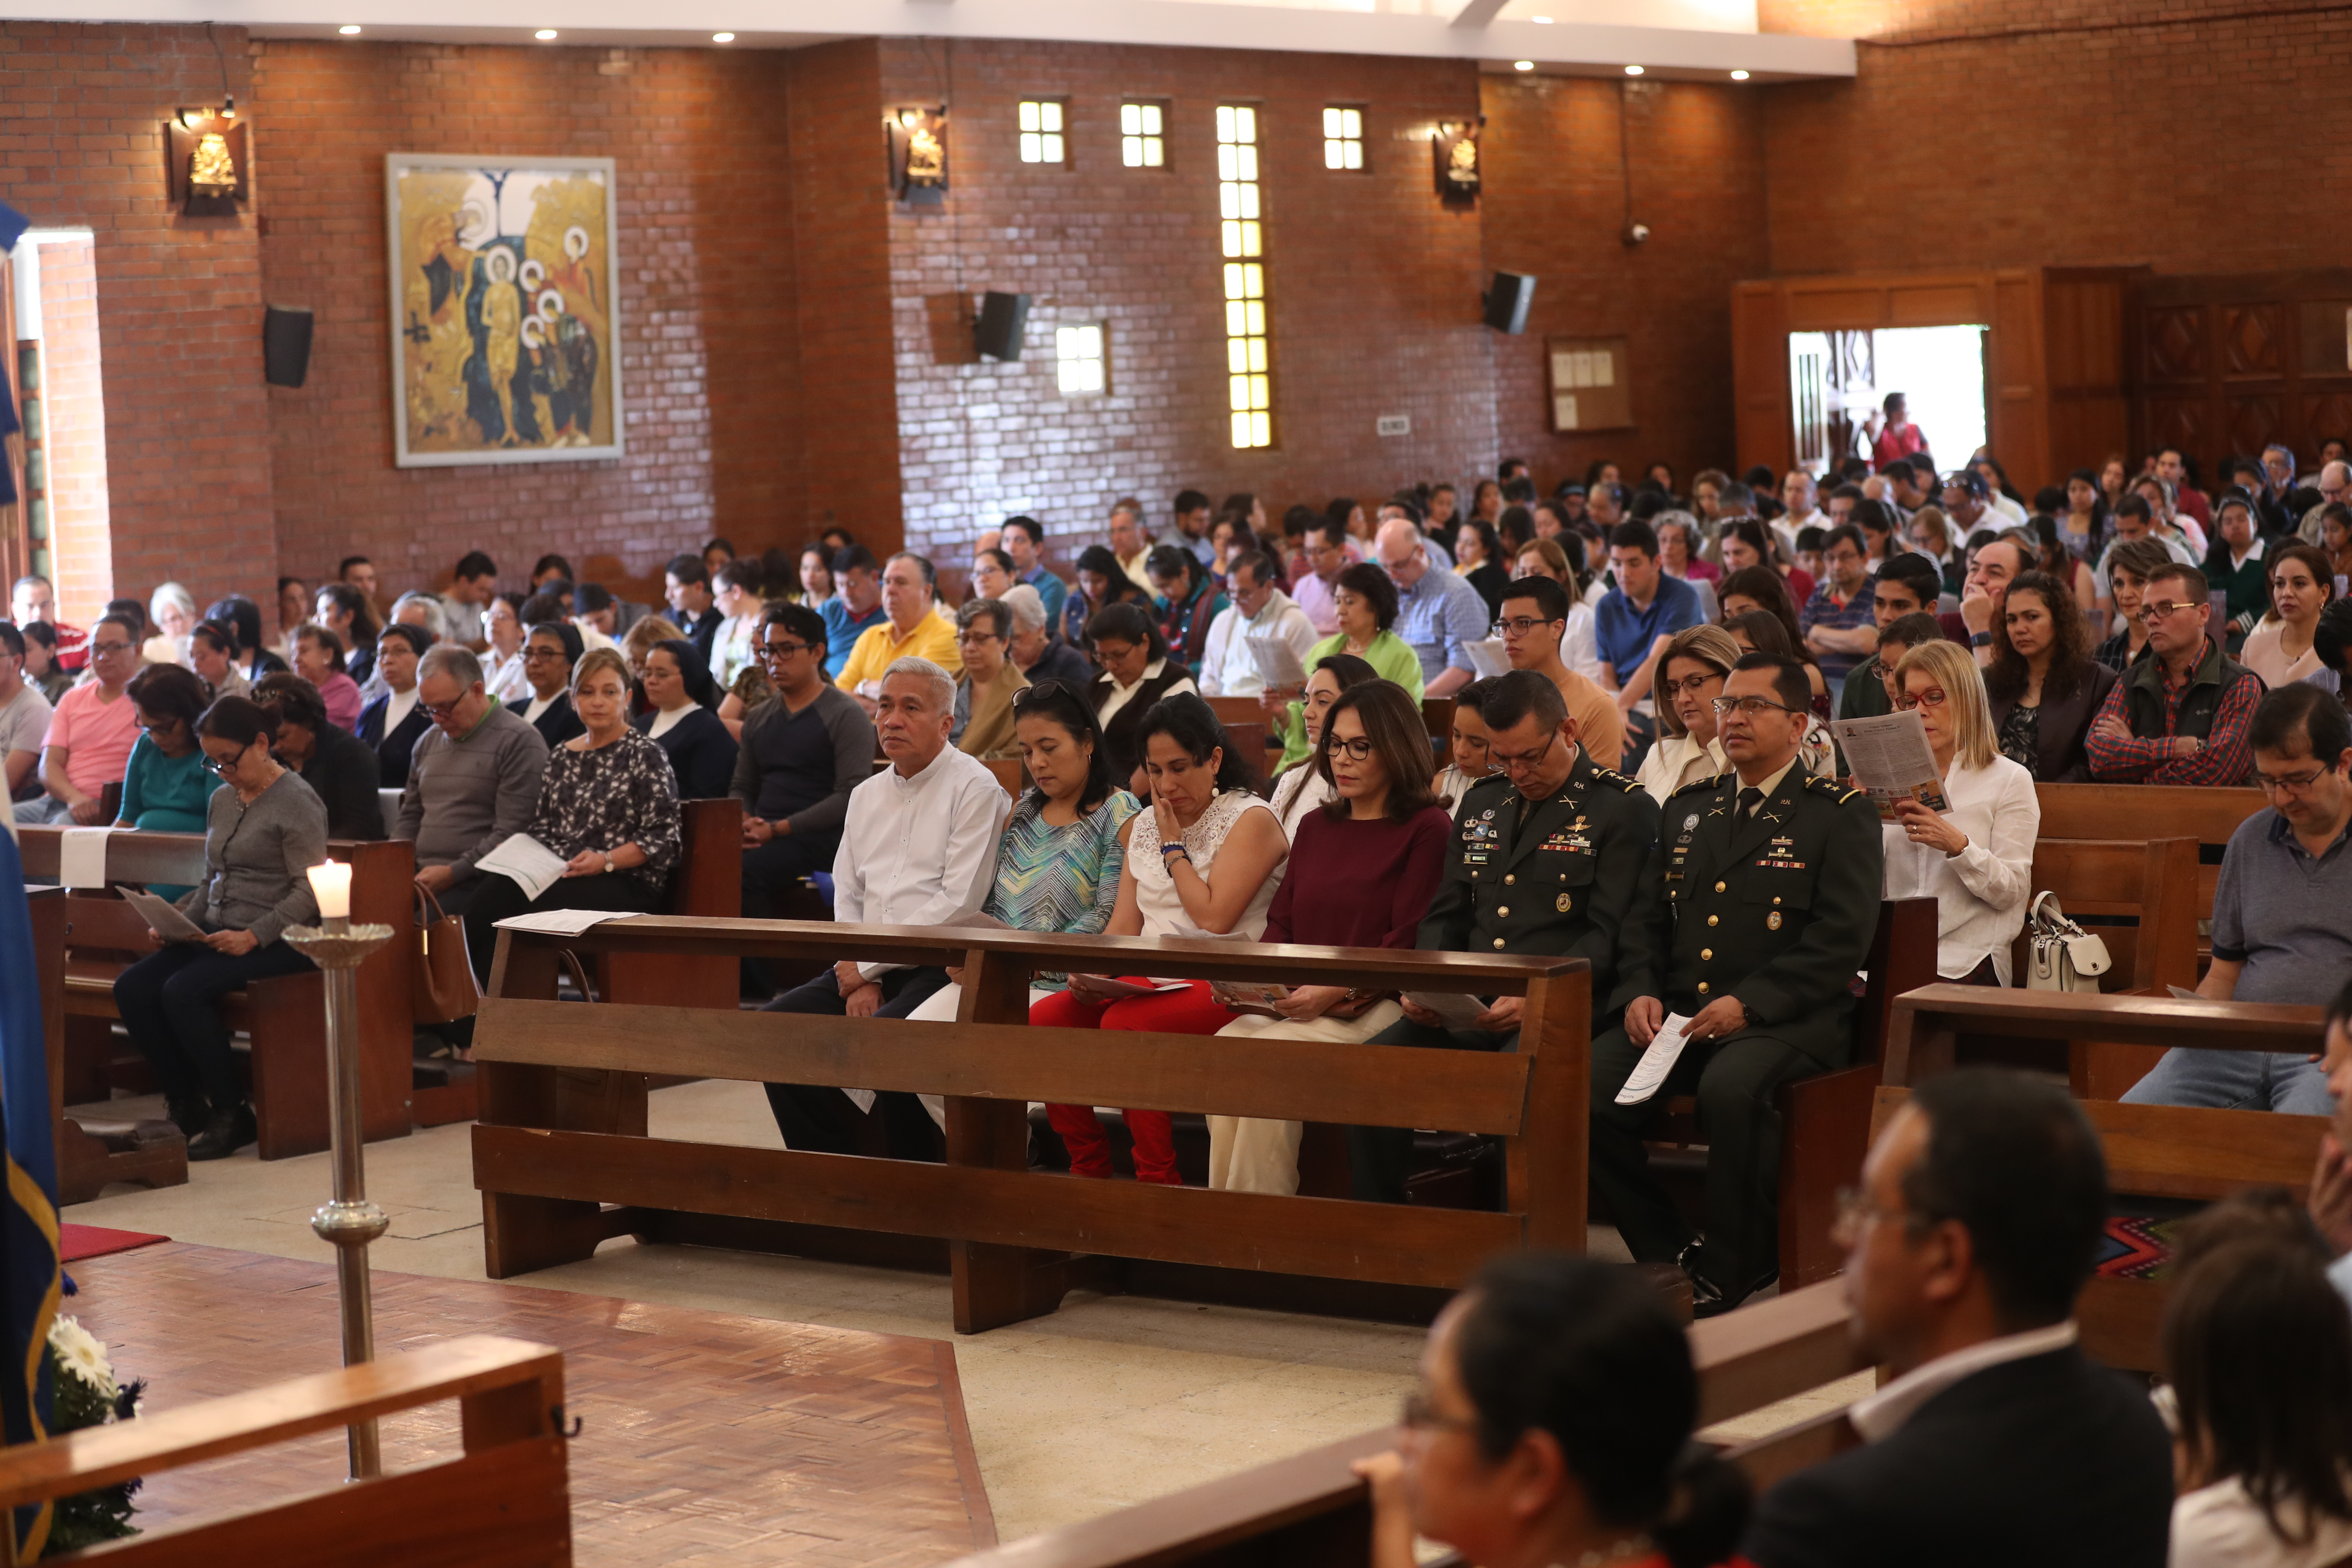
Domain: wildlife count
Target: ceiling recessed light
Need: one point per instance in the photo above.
(348, 28)
(544, 34)
(723, 38)
(1739, 76)
(1523, 65)
(1632, 70)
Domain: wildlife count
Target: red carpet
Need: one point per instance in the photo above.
(76, 1242)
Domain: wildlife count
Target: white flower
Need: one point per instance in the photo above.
(79, 1351)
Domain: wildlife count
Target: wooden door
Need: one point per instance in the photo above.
(2226, 364)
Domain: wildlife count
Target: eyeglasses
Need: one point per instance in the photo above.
(776, 650)
(1520, 627)
(1504, 762)
(1358, 749)
(1753, 707)
(977, 637)
(1420, 1414)
(1855, 1208)
(2162, 610)
(214, 765)
(530, 653)
(438, 710)
(1934, 696)
(2290, 783)
(1694, 684)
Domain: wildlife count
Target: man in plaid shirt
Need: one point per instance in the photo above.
(2181, 711)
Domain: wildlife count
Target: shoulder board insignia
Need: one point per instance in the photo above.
(1477, 785)
(1694, 787)
(1831, 787)
(1611, 776)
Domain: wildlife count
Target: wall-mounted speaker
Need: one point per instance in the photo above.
(285, 346)
(1508, 300)
(1003, 319)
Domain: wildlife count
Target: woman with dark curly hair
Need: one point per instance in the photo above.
(2045, 686)
(1761, 589)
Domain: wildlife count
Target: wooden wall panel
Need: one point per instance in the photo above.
(2088, 360)
(2226, 364)
(1759, 375)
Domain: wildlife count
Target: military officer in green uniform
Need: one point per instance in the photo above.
(1758, 908)
(1547, 858)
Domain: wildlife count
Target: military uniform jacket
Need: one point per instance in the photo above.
(1557, 877)
(1779, 913)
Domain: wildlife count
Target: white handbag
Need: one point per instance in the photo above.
(2060, 954)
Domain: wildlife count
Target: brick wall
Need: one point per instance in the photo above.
(1374, 288)
(708, 298)
(1556, 206)
(73, 410)
(81, 143)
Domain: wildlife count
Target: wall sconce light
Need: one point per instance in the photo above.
(204, 161)
(918, 154)
(1455, 146)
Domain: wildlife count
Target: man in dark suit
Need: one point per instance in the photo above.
(686, 581)
(1981, 1208)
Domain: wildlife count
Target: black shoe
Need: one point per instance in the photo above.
(190, 1116)
(1709, 1299)
(228, 1132)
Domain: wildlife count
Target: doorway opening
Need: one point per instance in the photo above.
(1838, 380)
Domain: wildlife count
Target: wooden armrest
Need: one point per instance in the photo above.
(1768, 1351)
(102, 1456)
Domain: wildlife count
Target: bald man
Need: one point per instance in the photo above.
(1440, 615)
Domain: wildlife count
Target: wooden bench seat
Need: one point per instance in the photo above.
(2167, 1153)
(91, 936)
(2206, 815)
(562, 1132)
(504, 1503)
(1310, 1511)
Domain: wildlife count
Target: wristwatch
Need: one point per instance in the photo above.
(609, 867)
(1980, 640)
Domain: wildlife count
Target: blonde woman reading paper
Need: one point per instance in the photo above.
(1975, 860)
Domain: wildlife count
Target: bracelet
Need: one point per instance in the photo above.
(1168, 849)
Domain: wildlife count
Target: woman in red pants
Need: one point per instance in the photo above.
(1204, 861)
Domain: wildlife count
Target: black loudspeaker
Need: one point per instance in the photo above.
(1508, 301)
(1003, 319)
(285, 346)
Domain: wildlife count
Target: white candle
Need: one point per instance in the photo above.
(331, 880)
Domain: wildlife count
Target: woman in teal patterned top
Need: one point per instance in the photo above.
(1058, 865)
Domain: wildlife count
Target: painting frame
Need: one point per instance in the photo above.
(433, 368)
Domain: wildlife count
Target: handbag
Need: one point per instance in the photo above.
(441, 982)
(2060, 954)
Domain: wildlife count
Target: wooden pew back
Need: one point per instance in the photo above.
(1310, 1510)
(707, 884)
(2208, 816)
(563, 1119)
(505, 1502)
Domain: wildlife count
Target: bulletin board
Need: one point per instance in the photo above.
(1592, 386)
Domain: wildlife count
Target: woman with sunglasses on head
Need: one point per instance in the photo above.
(1688, 679)
(1361, 872)
(1975, 857)
(262, 834)
(1554, 1425)
(1301, 788)
(2044, 685)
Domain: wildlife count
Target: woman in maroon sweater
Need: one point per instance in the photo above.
(1362, 871)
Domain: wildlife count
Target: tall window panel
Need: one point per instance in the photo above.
(1343, 137)
(1142, 140)
(1249, 379)
(1041, 131)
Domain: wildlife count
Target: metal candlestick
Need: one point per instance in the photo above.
(349, 1222)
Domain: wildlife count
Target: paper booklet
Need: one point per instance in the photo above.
(1665, 1048)
(1277, 662)
(1490, 658)
(1455, 1010)
(1248, 996)
(1105, 985)
(533, 866)
(1890, 759)
(562, 922)
(163, 917)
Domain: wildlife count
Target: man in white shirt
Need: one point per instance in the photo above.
(917, 848)
(473, 586)
(1327, 557)
(1981, 1209)
(1228, 668)
(1800, 510)
(1128, 543)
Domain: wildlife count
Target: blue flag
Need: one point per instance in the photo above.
(30, 1275)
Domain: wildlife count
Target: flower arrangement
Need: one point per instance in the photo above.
(88, 1394)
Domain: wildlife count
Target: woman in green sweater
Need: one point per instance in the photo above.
(1366, 602)
(165, 785)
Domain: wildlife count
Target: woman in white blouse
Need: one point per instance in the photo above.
(1684, 686)
(1975, 860)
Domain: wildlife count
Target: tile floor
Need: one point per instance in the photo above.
(1107, 1402)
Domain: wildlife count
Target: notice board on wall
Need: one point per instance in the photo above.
(1592, 386)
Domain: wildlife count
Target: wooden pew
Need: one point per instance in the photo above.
(99, 935)
(2164, 1152)
(2208, 816)
(1437, 712)
(504, 1503)
(1239, 713)
(562, 1130)
(2102, 882)
(1310, 1511)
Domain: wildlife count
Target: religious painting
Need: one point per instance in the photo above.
(505, 314)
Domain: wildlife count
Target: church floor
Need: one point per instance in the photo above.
(1107, 1402)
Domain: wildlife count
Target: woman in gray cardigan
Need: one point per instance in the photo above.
(262, 834)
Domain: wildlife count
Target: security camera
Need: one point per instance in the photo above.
(1637, 233)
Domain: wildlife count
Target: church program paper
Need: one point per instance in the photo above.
(1277, 663)
(1489, 658)
(1665, 1048)
(1453, 1010)
(161, 917)
(1890, 759)
(533, 866)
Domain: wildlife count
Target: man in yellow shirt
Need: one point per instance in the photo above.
(914, 629)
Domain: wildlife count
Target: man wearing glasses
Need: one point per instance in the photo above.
(473, 779)
(804, 751)
(1547, 858)
(2281, 912)
(1534, 619)
(90, 734)
(1755, 912)
(2180, 714)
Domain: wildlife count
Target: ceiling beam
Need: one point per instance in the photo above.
(1476, 12)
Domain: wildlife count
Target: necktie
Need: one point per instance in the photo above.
(1749, 799)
